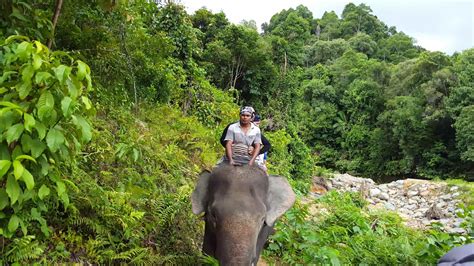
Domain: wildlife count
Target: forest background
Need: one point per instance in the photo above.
(110, 109)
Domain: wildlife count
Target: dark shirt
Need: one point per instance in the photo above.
(266, 144)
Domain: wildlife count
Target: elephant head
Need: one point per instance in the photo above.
(241, 205)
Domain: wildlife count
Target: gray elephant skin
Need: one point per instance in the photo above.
(241, 204)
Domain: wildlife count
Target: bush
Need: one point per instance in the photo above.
(344, 231)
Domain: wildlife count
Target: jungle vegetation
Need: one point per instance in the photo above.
(110, 109)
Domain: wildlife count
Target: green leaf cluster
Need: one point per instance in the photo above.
(44, 113)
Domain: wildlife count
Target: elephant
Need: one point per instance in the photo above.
(241, 205)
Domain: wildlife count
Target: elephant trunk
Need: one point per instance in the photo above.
(237, 240)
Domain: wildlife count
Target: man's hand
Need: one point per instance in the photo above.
(232, 162)
(251, 162)
(251, 150)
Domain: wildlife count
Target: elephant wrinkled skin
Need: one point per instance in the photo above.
(241, 205)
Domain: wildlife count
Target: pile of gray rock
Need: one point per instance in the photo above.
(418, 202)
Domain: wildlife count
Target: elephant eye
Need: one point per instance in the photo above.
(211, 219)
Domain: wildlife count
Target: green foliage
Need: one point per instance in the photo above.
(465, 133)
(44, 123)
(356, 19)
(209, 24)
(27, 18)
(343, 231)
(279, 158)
(325, 51)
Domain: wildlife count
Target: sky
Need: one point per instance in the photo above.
(436, 25)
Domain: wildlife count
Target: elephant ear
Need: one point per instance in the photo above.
(280, 198)
(199, 196)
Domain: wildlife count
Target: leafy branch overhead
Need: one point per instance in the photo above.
(44, 122)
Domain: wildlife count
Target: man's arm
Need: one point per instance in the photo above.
(228, 151)
(257, 145)
(255, 153)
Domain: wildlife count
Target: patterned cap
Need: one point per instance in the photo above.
(247, 109)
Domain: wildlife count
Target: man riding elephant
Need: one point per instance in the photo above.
(240, 201)
(242, 137)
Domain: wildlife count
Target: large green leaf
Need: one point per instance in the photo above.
(13, 223)
(14, 132)
(43, 191)
(7, 119)
(83, 125)
(42, 77)
(60, 187)
(45, 104)
(66, 106)
(13, 189)
(27, 73)
(29, 121)
(24, 89)
(25, 157)
(82, 70)
(26, 143)
(37, 148)
(4, 167)
(41, 129)
(23, 50)
(27, 177)
(18, 169)
(62, 73)
(6, 75)
(3, 199)
(73, 87)
(54, 139)
(10, 104)
(37, 61)
(86, 102)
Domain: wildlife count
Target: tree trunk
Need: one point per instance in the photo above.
(57, 11)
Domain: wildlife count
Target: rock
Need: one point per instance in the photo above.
(323, 182)
(418, 202)
(434, 213)
(444, 221)
(445, 197)
(425, 193)
(374, 192)
(390, 206)
(318, 189)
(457, 231)
(383, 196)
(426, 222)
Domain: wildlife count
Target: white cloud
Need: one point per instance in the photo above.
(434, 43)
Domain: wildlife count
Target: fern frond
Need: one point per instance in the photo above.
(23, 249)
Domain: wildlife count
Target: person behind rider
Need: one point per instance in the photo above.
(262, 157)
(240, 136)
